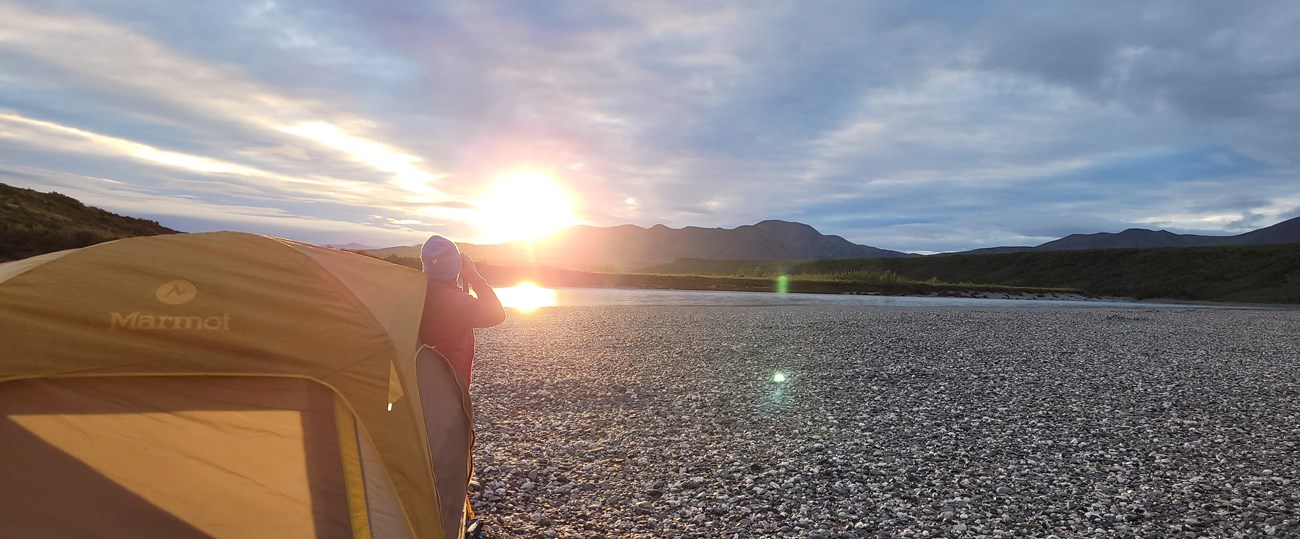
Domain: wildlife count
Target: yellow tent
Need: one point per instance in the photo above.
(224, 385)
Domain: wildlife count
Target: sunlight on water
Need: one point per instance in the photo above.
(526, 297)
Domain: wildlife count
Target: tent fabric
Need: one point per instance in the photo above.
(240, 305)
(441, 387)
(257, 457)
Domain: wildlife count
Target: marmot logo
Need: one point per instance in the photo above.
(172, 293)
(144, 321)
(177, 292)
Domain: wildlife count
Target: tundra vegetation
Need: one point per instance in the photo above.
(33, 223)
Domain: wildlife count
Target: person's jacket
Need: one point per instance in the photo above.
(450, 316)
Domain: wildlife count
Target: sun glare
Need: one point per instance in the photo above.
(526, 297)
(523, 206)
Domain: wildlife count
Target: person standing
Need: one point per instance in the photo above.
(450, 313)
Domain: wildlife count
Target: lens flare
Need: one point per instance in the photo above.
(783, 284)
(778, 377)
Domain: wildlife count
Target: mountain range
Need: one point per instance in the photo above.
(1140, 238)
(32, 222)
(628, 247)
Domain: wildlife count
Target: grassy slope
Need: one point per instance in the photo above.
(32, 223)
(1263, 274)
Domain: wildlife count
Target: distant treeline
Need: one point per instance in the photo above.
(1259, 274)
(33, 223)
(850, 282)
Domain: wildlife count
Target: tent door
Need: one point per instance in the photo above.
(171, 456)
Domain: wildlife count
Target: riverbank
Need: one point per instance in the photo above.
(562, 278)
(559, 278)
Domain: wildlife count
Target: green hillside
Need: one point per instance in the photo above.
(33, 223)
(1261, 274)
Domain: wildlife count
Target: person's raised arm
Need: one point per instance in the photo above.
(487, 310)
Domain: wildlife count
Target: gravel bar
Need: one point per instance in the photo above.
(665, 421)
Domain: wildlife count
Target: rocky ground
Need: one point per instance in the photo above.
(658, 421)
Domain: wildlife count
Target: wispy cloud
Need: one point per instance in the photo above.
(127, 67)
(49, 135)
(196, 214)
(906, 126)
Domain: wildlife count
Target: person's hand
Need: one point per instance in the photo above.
(469, 272)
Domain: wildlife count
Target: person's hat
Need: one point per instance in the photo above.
(440, 259)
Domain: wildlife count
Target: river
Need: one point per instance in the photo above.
(526, 297)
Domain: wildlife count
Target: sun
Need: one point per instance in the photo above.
(523, 206)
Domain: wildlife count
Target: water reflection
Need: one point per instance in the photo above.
(526, 297)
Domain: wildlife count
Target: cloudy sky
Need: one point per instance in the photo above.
(909, 126)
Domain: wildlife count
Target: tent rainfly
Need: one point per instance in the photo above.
(224, 385)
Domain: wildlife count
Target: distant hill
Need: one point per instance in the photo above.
(354, 246)
(1133, 238)
(630, 247)
(994, 250)
(1285, 232)
(1141, 238)
(33, 223)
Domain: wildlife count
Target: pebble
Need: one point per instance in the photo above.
(663, 421)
